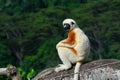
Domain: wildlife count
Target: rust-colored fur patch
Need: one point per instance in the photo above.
(71, 40)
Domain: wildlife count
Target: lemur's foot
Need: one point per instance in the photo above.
(62, 67)
(59, 68)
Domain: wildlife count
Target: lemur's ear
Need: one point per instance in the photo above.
(72, 23)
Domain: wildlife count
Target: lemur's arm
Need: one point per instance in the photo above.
(70, 42)
(63, 43)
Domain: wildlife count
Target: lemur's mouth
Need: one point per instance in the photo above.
(66, 27)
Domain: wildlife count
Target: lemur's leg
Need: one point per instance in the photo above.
(66, 63)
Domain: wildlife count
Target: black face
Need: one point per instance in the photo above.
(66, 27)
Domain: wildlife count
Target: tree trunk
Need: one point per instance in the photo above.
(99, 48)
(11, 72)
(104, 69)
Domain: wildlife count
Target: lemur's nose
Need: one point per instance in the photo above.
(66, 26)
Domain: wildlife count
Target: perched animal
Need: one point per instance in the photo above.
(74, 49)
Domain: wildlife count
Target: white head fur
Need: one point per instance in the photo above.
(69, 24)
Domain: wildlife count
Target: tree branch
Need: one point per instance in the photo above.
(11, 72)
(104, 69)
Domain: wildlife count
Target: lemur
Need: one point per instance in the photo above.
(74, 49)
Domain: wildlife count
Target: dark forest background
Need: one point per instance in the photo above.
(30, 30)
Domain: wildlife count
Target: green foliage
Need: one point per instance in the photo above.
(31, 74)
(46, 56)
(102, 19)
(4, 54)
(25, 75)
(12, 7)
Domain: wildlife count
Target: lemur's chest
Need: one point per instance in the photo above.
(71, 37)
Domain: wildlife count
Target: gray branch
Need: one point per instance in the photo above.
(104, 69)
(11, 72)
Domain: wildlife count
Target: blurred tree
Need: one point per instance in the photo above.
(45, 57)
(4, 54)
(100, 21)
(21, 32)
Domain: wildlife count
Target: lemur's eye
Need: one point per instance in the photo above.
(72, 23)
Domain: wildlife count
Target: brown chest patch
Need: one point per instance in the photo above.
(71, 40)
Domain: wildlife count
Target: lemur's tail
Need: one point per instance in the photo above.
(76, 71)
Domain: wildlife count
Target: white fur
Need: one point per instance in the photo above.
(82, 47)
(76, 71)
